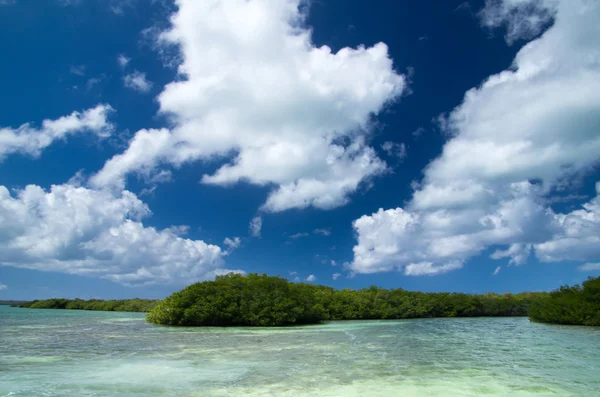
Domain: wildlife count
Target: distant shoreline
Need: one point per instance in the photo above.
(266, 301)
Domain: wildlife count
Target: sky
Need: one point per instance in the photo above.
(431, 145)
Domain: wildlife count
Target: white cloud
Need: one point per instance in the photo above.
(418, 132)
(497, 271)
(137, 81)
(429, 269)
(299, 235)
(232, 244)
(255, 92)
(3, 286)
(333, 263)
(577, 237)
(95, 233)
(522, 134)
(311, 278)
(519, 253)
(323, 231)
(394, 149)
(589, 267)
(336, 275)
(255, 226)
(147, 191)
(524, 19)
(77, 69)
(93, 82)
(31, 140)
(123, 60)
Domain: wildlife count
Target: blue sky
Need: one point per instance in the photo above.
(435, 146)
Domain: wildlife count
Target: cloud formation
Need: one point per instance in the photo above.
(88, 232)
(589, 267)
(123, 60)
(30, 140)
(394, 149)
(515, 141)
(232, 244)
(321, 232)
(255, 226)
(137, 81)
(255, 92)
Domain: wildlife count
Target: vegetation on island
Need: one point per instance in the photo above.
(261, 300)
(576, 305)
(122, 305)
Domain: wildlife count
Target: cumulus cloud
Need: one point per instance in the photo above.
(232, 244)
(311, 278)
(336, 275)
(123, 60)
(394, 149)
(589, 267)
(515, 140)
(30, 140)
(255, 226)
(578, 236)
(255, 92)
(428, 268)
(497, 271)
(88, 232)
(137, 81)
(523, 19)
(518, 254)
(3, 286)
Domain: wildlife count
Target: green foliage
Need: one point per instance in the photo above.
(261, 300)
(577, 305)
(233, 299)
(124, 305)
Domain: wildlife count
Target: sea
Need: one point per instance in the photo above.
(55, 353)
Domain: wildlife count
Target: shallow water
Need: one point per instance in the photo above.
(78, 353)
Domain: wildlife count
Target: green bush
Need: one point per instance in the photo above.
(124, 305)
(577, 305)
(233, 299)
(260, 300)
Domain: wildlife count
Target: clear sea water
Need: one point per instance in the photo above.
(78, 353)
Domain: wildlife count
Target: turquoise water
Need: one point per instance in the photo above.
(75, 353)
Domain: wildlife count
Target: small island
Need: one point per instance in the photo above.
(261, 300)
(121, 305)
(268, 301)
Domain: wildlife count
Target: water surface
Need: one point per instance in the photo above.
(79, 353)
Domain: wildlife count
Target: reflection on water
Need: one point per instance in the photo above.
(74, 353)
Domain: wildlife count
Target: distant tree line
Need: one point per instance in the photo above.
(12, 303)
(576, 305)
(261, 300)
(123, 305)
